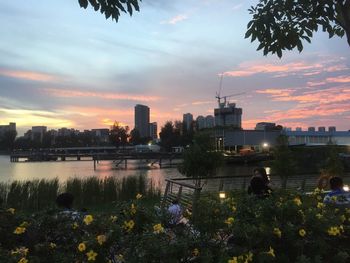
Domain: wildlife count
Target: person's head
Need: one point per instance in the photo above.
(65, 200)
(175, 202)
(261, 172)
(258, 186)
(336, 183)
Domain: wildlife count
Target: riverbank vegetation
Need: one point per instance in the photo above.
(285, 227)
(91, 191)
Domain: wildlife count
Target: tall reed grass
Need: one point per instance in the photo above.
(91, 191)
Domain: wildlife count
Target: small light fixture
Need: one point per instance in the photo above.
(265, 145)
(346, 188)
(222, 195)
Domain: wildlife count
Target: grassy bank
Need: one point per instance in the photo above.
(88, 192)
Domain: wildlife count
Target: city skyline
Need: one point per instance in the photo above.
(62, 66)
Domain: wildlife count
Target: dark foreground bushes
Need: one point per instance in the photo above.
(285, 227)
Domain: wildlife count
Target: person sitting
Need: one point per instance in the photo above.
(175, 212)
(337, 195)
(258, 187)
(260, 173)
(65, 201)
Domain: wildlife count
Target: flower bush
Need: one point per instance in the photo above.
(285, 227)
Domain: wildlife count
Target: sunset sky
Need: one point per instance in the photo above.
(63, 66)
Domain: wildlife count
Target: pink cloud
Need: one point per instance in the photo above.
(280, 69)
(176, 19)
(28, 75)
(103, 95)
(339, 79)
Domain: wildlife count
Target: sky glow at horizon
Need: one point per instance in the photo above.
(63, 66)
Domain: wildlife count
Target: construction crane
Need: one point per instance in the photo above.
(224, 97)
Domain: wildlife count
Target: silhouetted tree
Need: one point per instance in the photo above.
(112, 8)
(200, 159)
(170, 135)
(283, 164)
(118, 135)
(333, 165)
(135, 137)
(283, 24)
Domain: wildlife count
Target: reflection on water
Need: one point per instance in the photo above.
(64, 170)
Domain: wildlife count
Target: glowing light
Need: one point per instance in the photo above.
(346, 188)
(265, 145)
(222, 195)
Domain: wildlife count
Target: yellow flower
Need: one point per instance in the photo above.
(120, 257)
(271, 252)
(195, 252)
(229, 221)
(129, 225)
(297, 201)
(333, 231)
(233, 260)
(319, 198)
(11, 210)
(113, 218)
(53, 245)
(101, 239)
(277, 232)
(158, 228)
(22, 251)
(82, 247)
(138, 196)
(249, 257)
(19, 230)
(319, 216)
(133, 209)
(75, 225)
(91, 255)
(334, 199)
(88, 219)
(23, 260)
(341, 229)
(234, 209)
(342, 218)
(302, 232)
(320, 205)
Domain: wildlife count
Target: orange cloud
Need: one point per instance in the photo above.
(248, 69)
(102, 95)
(339, 79)
(29, 75)
(277, 92)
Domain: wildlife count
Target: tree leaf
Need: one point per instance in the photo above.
(83, 3)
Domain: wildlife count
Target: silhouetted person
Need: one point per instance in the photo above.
(337, 195)
(175, 213)
(65, 202)
(258, 187)
(260, 172)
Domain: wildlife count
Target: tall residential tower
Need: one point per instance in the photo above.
(142, 120)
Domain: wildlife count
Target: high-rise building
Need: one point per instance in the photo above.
(6, 128)
(228, 115)
(153, 132)
(187, 121)
(322, 129)
(38, 133)
(200, 122)
(311, 129)
(142, 113)
(209, 121)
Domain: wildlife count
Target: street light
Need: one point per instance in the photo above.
(222, 195)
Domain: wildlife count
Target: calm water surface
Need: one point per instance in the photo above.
(64, 170)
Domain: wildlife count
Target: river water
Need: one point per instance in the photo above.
(66, 169)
